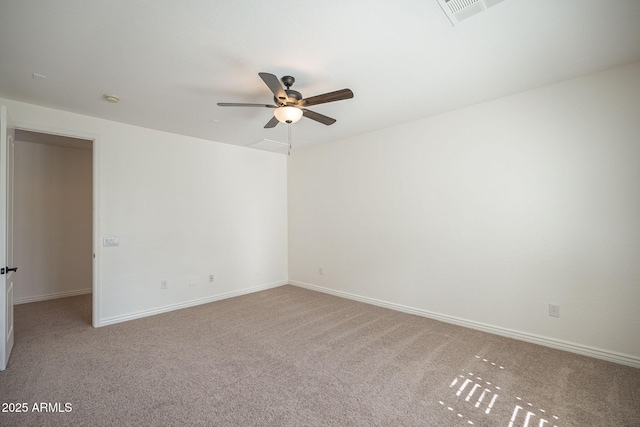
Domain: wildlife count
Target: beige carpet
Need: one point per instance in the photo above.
(293, 357)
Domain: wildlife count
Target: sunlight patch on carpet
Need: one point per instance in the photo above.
(476, 395)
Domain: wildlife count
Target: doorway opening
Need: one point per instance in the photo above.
(53, 216)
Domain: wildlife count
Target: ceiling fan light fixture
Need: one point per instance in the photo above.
(287, 114)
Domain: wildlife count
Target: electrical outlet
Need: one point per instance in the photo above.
(554, 310)
(320, 271)
(164, 284)
(211, 278)
(191, 281)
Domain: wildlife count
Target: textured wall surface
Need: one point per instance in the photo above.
(183, 208)
(487, 214)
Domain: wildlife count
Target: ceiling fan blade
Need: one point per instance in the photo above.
(271, 123)
(239, 104)
(337, 95)
(274, 84)
(318, 117)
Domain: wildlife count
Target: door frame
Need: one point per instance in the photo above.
(95, 285)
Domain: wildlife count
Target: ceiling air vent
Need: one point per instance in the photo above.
(458, 10)
(269, 145)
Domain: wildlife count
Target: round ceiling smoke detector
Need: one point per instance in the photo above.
(111, 98)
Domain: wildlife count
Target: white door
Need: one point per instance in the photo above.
(6, 238)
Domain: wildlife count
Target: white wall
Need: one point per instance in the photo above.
(53, 221)
(182, 207)
(488, 214)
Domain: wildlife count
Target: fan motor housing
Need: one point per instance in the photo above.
(293, 95)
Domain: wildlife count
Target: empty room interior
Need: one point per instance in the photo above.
(421, 213)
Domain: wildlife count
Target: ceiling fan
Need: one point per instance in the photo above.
(289, 105)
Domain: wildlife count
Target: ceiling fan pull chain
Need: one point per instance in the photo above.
(289, 126)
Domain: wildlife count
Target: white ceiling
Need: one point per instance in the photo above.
(171, 61)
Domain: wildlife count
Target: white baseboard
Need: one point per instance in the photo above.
(25, 300)
(186, 304)
(610, 356)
